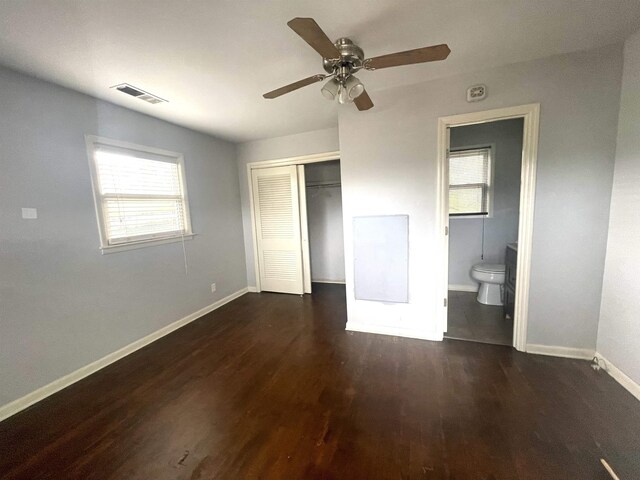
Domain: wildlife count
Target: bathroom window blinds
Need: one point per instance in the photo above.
(141, 196)
(469, 182)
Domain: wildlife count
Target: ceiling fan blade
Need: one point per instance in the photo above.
(363, 101)
(311, 33)
(419, 55)
(294, 86)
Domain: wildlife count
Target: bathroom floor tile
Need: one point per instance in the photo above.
(470, 320)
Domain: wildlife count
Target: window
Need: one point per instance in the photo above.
(470, 182)
(140, 193)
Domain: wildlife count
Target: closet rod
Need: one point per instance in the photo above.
(323, 185)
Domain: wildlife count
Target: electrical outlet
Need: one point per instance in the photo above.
(213, 287)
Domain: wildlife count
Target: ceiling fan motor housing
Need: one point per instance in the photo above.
(351, 58)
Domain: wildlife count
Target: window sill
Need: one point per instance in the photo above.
(106, 250)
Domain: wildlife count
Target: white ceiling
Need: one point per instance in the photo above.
(213, 59)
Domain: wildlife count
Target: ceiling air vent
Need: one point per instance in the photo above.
(138, 93)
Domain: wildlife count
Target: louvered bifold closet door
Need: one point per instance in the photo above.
(277, 212)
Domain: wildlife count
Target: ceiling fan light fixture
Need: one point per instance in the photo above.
(354, 87)
(343, 95)
(331, 89)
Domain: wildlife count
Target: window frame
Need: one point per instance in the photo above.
(142, 151)
(490, 177)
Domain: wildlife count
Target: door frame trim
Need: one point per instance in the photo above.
(281, 162)
(531, 115)
(304, 229)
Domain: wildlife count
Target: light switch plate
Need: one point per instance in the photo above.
(30, 213)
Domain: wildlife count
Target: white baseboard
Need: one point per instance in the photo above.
(393, 331)
(565, 352)
(619, 376)
(252, 289)
(43, 392)
(463, 288)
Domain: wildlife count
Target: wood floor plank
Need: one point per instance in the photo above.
(272, 387)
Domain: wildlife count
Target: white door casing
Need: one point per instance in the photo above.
(531, 115)
(277, 214)
(304, 230)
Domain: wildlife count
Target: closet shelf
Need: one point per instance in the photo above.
(323, 184)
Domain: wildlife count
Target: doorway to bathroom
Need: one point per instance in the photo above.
(486, 195)
(485, 163)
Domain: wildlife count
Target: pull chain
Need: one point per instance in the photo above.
(482, 253)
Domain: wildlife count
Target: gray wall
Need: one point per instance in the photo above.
(62, 303)
(388, 165)
(465, 234)
(619, 329)
(324, 218)
(317, 141)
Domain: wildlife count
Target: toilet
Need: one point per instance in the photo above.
(491, 279)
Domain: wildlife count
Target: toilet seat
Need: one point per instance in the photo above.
(489, 268)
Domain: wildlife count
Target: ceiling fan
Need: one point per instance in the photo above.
(344, 58)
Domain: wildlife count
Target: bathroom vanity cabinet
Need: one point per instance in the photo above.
(510, 262)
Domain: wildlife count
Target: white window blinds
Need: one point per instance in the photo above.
(469, 181)
(140, 195)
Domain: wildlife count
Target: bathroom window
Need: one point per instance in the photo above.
(470, 182)
(140, 194)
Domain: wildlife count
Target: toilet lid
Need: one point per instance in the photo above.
(489, 268)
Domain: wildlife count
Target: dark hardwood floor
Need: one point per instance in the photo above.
(272, 387)
(470, 320)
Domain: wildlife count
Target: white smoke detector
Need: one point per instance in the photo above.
(475, 93)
